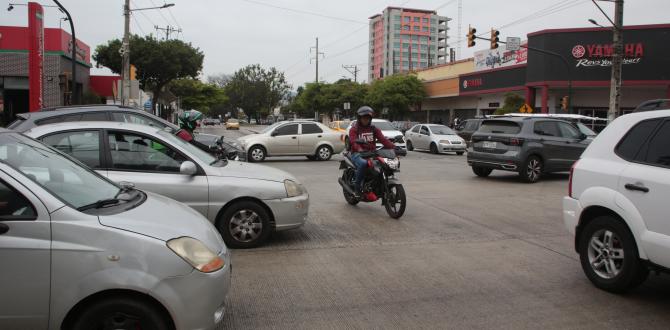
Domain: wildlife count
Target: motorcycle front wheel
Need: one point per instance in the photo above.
(396, 201)
(349, 176)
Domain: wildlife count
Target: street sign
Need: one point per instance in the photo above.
(513, 43)
(347, 105)
(525, 108)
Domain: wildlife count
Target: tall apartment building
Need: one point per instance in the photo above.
(403, 39)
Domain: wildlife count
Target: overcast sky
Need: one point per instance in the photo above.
(235, 33)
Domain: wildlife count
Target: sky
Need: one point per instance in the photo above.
(279, 33)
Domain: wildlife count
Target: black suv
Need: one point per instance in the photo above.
(212, 144)
(466, 128)
(529, 146)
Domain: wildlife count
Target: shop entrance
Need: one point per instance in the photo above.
(14, 101)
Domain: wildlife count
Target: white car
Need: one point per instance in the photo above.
(617, 205)
(436, 138)
(387, 129)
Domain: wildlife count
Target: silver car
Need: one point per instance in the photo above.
(294, 138)
(436, 138)
(79, 252)
(246, 202)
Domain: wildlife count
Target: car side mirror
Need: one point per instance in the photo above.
(188, 168)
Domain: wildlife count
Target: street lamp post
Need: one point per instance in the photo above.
(125, 50)
(74, 98)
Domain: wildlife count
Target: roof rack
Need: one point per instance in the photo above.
(65, 107)
(650, 105)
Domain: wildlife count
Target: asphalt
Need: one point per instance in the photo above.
(468, 253)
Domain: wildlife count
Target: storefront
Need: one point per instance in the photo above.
(56, 74)
(542, 80)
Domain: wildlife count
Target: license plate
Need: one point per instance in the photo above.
(490, 145)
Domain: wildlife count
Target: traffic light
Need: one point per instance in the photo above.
(133, 72)
(471, 36)
(494, 38)
(564, 103)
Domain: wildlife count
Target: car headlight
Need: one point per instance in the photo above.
(196, 254)
(393, 164)
(293, 188)
(445, 142)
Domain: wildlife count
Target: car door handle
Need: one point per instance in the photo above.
(636, 187)
(3, 228)
(318, 136)
(294, 137)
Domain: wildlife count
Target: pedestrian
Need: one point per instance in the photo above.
(457, 121)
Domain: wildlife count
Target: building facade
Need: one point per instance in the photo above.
(582, 71)
(403, 40)
(14, 67)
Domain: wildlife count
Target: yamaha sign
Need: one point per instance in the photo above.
(601, 55)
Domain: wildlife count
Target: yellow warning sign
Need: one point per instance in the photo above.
(525, 108)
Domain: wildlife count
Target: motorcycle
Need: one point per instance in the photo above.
(379, 182)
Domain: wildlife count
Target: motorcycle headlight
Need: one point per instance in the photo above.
(445, 142)
(393, 164)
(196, 254)
(293, 188)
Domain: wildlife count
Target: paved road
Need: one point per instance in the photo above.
(468, 253)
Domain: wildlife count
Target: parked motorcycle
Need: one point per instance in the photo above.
(380, 182)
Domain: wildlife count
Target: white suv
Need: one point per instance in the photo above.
(618, 205)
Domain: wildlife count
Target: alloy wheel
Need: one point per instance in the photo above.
(324, 153)
(534, 169)
(606, 254)
(257, 154)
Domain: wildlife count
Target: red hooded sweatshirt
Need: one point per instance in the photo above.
(368, 134)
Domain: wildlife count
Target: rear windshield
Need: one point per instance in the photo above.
(500, 127)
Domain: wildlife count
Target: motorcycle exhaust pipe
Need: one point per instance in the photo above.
(345, 186)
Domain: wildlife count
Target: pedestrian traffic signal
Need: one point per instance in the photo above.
(471, 36)
(564, 103)
(494, 38)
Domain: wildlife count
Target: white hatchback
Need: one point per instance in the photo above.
(617, 208)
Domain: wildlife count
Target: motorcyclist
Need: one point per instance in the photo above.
(365, 131)
(188, 121)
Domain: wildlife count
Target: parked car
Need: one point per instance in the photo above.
(102, 112)
(468, 127)
(436, 138)
(339, 125)
(222, 147)
(211, 122)
(294, 138)
(245, 201)
(585, 124)
(233, 123)
(387, 129)
(650, 105)
(252, 121)
(81, 252)
(530, 146)
(616, 205)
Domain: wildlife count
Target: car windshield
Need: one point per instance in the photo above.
(69, 181)
(499, 127)
(193, 150)
(233, 121)
(271, 127)
(383, 125)
(343, 124)
(586, 130)
(441, 130)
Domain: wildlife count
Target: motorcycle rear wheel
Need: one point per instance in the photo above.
(396, 201)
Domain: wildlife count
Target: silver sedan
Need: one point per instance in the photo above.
(245, 201)
(293, 138)
(80, 252)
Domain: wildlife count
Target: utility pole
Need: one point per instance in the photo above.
(125, 53)
(354, 72)
(168, 30)
(316, 57)
(615, 85)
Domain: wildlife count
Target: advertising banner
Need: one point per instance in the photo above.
(35, 56)
(500, 57)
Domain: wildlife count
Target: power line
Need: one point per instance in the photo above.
(174, 18)
(138, 24)
(300, 11)
(160, 12)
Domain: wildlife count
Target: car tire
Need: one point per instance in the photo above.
(410, 147)
(625, 271)
(256, 154)
(244, 225)
(122, 313)
(433, 148)
(347, 145)
(482, 171)
(531, 170)
(324, 153)
(460, 153)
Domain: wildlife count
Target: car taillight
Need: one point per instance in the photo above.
(516, 142)
(572, 171)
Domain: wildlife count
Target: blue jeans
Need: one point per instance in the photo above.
(361, 164)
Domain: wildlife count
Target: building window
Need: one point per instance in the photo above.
(424, 47)
(396, 27)
(417, 19)
(417, 28)
(415, 38)
(405, 46)
(433, 30)
(424, 29)
(396, 18)
(425, 20)
(405, 27)
(433, 21)
(406, 19)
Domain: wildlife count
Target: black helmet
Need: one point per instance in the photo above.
(365, 111)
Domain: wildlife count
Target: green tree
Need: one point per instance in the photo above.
(158, 62)
(325, 98)
(197, 95)
(256, 90)
(512, 103)
(397, 93)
